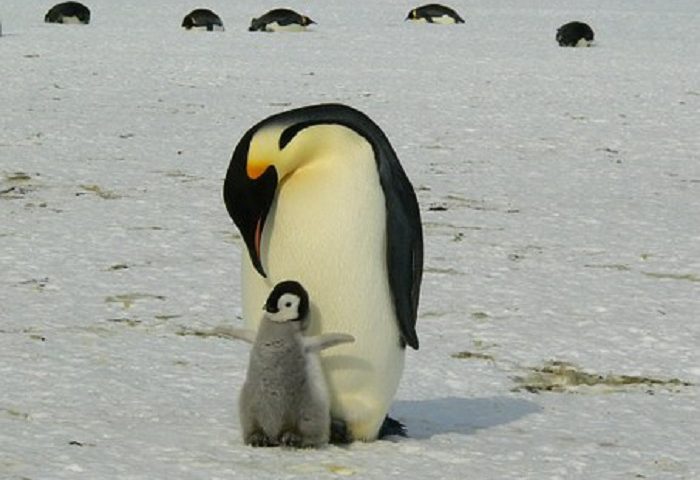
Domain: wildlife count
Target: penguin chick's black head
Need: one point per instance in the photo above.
(288, 300)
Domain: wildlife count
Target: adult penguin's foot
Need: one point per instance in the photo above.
(340, 435)
(392, 427)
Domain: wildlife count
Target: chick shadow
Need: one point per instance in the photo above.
(426, 418)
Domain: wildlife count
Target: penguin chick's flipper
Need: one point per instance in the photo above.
(391, 427)
(327, 340)
(233, 332)
(340, 435)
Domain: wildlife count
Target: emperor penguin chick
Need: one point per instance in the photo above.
(284, 400)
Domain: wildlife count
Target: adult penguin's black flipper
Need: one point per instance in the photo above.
(404, 242)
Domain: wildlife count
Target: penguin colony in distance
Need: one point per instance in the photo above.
(280, 20)
(318, 194)
(434, 13)
(68, 12)
(572, 34)
(203, 19)
(284, 400)
(575, 34)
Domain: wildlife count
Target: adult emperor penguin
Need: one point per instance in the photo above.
(280, 20)
(319, 195)
(575, 34)
(68, 12)
(434, 13)
(203, 19)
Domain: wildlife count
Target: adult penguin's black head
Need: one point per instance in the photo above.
(249, 190)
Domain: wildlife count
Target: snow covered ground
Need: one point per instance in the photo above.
(560, 194)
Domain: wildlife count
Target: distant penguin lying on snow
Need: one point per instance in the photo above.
(285, 400)
(575, 34)
(434, 13)
(68, 12)
(202, 19)
(280, 20)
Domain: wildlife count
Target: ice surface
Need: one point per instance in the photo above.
(560, 194)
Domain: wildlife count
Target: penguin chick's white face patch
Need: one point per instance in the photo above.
(287, 309)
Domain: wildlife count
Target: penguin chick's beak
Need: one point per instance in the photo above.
(248, 201)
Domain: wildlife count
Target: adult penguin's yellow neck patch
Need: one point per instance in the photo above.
(263, 151)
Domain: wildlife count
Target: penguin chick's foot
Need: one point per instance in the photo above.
(391, 427)
(259, 439)
(291, 439)
(340, 434)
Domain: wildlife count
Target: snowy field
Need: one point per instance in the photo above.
(560, 195)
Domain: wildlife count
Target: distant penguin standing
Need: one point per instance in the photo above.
(434, 13)
(284, 400)
(575, 34)
(280, 20)
(68, 12)
(202, 19)
(319, 195)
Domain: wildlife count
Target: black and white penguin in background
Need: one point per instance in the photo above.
(203, 19)
(68, 13)
(434, 13)
(280, 20)
(575, 34)
(319, 195)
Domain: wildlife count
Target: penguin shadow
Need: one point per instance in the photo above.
(426, 418)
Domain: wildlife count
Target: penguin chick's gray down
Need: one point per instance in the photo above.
(284, 400)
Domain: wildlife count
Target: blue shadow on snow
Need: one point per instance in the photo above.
(425, 418)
